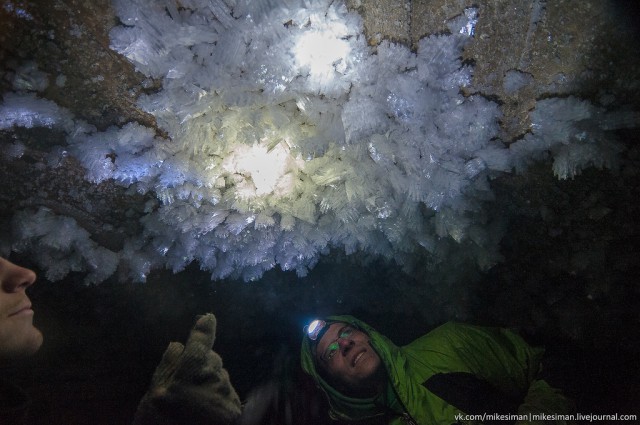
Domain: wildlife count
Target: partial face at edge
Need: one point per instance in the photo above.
(18, 336)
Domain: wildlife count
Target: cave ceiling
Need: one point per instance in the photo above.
(586, 49)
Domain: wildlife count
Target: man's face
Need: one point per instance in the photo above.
(18, 336)
(345, 354)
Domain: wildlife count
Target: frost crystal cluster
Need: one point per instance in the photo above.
(290, 136)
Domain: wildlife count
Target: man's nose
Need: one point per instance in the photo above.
(345, 344)
(16, 278)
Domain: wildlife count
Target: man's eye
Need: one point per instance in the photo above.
(346, 333)
(332, 350)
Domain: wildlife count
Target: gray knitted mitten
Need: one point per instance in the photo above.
(189, 386)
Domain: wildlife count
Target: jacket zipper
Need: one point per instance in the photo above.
(408, 419)
(406, 416)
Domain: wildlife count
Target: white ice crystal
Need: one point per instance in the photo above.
(59, 245)
(27, 110)
(572, 132)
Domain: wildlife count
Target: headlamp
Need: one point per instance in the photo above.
(314, 329)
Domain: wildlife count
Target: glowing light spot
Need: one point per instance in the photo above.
(267, 169)
(323, 52)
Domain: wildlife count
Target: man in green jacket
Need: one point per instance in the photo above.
(454, 374)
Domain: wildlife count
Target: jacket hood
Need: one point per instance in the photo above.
(341, 406)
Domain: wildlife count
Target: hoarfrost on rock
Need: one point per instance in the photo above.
(276, 154)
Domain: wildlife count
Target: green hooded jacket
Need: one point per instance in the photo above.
(493, 356)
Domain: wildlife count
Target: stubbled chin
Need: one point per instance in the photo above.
(36, 341)
(32, 341)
